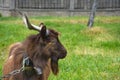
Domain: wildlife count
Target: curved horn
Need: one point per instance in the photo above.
(32, 26)
(28, 24)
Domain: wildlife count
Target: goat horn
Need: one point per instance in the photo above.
(28, 24)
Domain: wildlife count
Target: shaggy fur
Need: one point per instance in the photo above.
(44, 51)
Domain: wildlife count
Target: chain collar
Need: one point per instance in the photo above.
(23, 68)
(28, 65)
(17, 71)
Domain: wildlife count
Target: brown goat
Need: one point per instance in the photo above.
(43, 49)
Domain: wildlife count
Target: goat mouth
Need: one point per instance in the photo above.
(62, 56)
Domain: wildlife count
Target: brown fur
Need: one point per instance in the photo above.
(44, 51)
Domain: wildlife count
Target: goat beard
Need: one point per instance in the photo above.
(54, 66)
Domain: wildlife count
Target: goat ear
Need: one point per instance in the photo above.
(54, 65)
(43, 32)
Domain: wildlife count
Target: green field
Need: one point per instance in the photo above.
(93, 54)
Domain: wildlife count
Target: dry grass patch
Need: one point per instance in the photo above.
(82, 50)
(78, 21)
(108, 19)
(94, 31)
(98, 34)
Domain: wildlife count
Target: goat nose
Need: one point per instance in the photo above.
(63, 54)
(64, 50)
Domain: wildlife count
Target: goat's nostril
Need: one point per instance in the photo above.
(64, 51)
(63, 54)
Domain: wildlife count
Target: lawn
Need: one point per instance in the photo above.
(93, 54)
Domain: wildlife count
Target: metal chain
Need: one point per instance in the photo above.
(12, 73)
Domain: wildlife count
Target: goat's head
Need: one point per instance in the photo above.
(51, 46)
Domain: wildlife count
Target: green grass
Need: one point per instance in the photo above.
(93, 54)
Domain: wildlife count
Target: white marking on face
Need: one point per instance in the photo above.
(47, 32)
(11, 57)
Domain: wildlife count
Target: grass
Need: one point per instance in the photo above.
(93, 54)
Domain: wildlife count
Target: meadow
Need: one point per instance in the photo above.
(93, 54)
